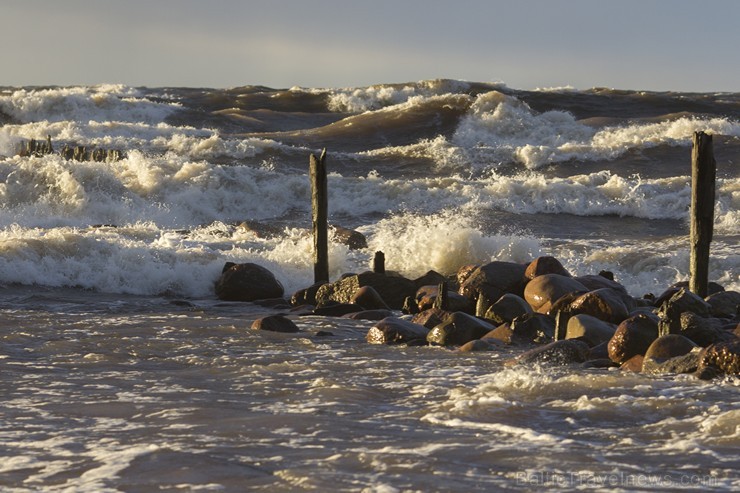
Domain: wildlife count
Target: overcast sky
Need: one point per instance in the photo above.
(625, 44)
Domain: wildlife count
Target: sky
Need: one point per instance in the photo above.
(657, 45)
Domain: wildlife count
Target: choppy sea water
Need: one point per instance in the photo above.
(122, 372)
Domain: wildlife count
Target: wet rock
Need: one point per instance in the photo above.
(393, 330)
(682, 301)
(431, 278)
(600, 363)
(260, 230)
(368, 298)
(479, 345)
(600, 282)
(604, 304)
(703, 331)
(493, 280)
(600, 351)
(458, 329)
(502, 334)
(431, 318)
(247, 282)
(306, 296)
(720, 359)
(349, 237)
(275, 323)
(464, 272)
(556, 353)
(634, 364)
(334, 309)
(506, 309)
(542, 291)
(545, 265)
(725, 304)
(426, 297)
(589, 329)
(533, 327)
(632, 337)
(369, 315)
(393, 290)
(671, 354)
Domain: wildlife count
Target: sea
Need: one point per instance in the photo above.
(120, 370)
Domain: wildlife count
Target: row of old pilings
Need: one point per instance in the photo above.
(38, 148)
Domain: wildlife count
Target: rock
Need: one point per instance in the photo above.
(393, 290)
(306, 296)
(431, 318)
(600, 363)
(247, 282)
(368, 298)
(589, 329)
(682, 301)
(669, 346)
(533, 327)
(502, 333)
(544, 290)
(507, 308)
(458, 329)
(634, 364)
(464, 272)
(479, 345)
(545, 265)
(260, 230)
(703, 331)
(493, 280)
(426, 296)
(600, 282)
(725, 304)
(334, 309)
(275, 323)
(632, 337)
(393, 330)
(369, 315)
(409, 306)
(556, 353)
(600, 351)
(349, 237)
(431, 278)
(605, 304)
(720, 359)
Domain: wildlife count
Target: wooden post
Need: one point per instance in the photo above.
(379, 263)
(319, 215)
(440, 302)
(703, 173)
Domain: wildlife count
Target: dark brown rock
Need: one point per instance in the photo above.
(458, 329)
(393, 330)
(600, 363)
(393, 290)
(669, 346)
(431, 318)
(725, 304)
(556, 353)
(479, 345)
(493, 280)
(369, 299)
(634, 364)
(720, 359)
(506, 309)
(306, 296)
(349, 237)
(632, 337)
(369, 315)
(502, 333)
(545, 265)
(703, 331)
(605, 304)
(275, 323)
(533, 327)
(542, 291)
(334, 309)
(600, 282)
(426, 297)
(431, 278)
(589, 329)
(247, 282)
(682, 301)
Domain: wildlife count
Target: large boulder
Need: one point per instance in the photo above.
(680, 302)
(600, 282)
(393, 290)
(493, 280)
(458, 329)
(532, 327)
(426, 297)
(393, 330)
(545, 265)
(632, 337)
(368, 298)
(605, 304)
(704, 331)
(306, 296)
(349, 237)
(506, 309)
(720, 359)
(589, 329)
(431, 318)
(671, 353)
(725, 304)
(542, 291)
(247, 282)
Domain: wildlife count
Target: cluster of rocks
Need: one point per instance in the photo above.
(556, 318)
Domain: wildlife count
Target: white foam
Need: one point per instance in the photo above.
(359, 100)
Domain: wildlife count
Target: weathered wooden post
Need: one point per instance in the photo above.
(379, 262)
(440, 302)
(703, 174)
(319, 215)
